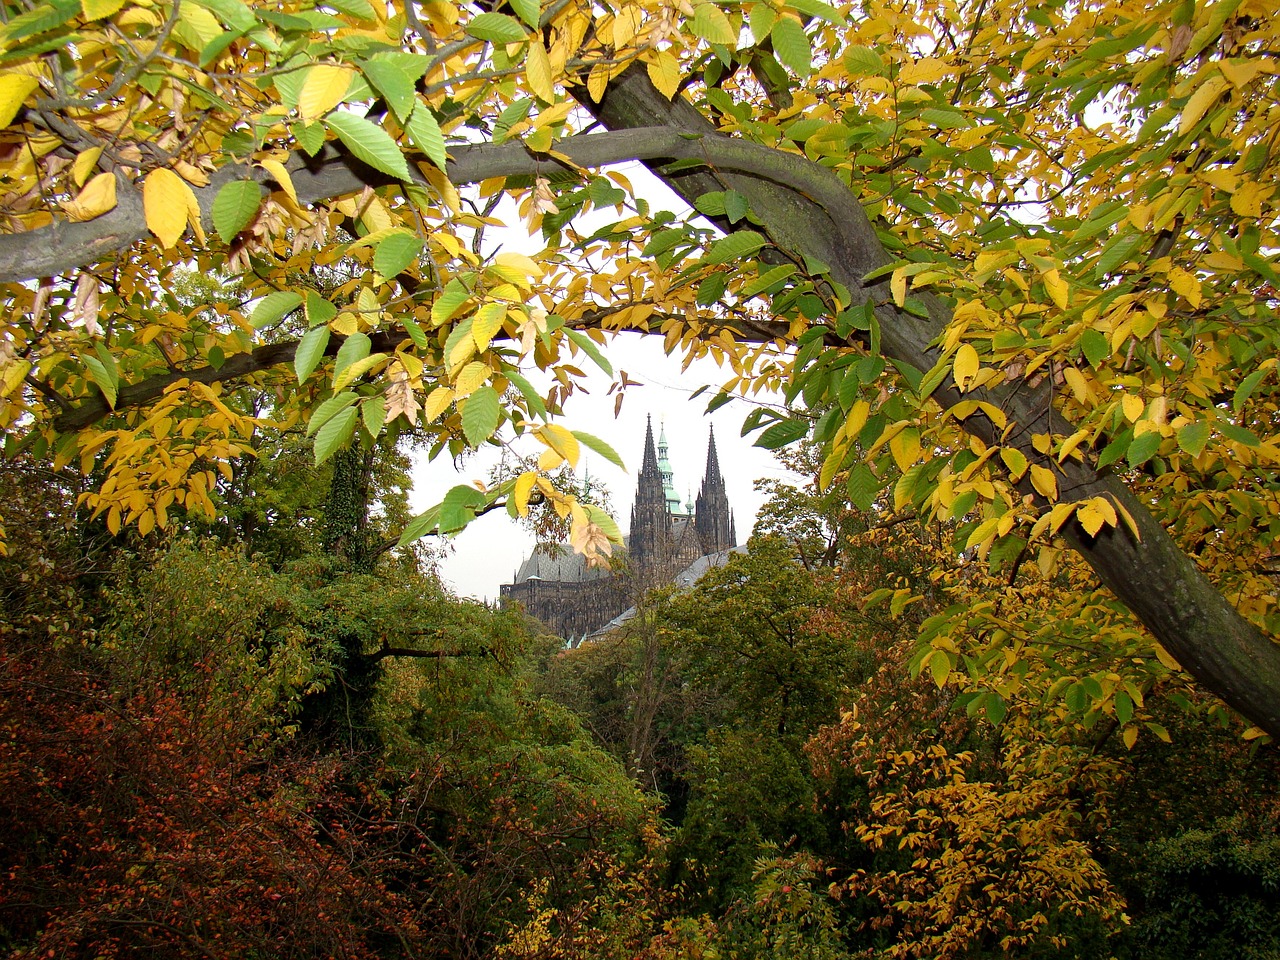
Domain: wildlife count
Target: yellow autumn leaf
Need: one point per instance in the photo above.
(1056, 287)
(1200, 102)
(905, 447)
(166, 200)
(487, 322)
(561, 441)
(1165, 657)
(664, 72)
(1079, 386)
(523, 487)
(517, 267)
(470, 377)
(1130, 737)
(898, 286)
(1186, 285)
(1240, 72)
(1045, 483)
(97, 197)
(1014, 461)
(598, 82)
(84, 164)
(537, 71)
(965, 368)
(1247, 201)
(1096, 513)
(14, 89)
(324, 89)
(1133, 407)
(437, 402)
(281, 176)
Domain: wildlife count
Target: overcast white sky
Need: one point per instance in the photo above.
(488, 552)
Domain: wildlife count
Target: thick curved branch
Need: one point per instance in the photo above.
(1163, 586)
(65, 246)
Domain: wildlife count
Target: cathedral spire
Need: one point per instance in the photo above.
(713, 461)
(713, 520)
(649, 464)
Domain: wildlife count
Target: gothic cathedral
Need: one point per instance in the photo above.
(667, 539)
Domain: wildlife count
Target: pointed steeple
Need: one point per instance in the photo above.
(713, 520)
(649, 463)
(713, 460)
(650, 519)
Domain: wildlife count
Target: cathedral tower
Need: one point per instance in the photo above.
(650, 541)
(712, 517)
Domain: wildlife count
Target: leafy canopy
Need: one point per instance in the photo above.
(1018, 263)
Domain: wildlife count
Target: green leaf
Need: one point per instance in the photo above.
(665, 240)
(734, 247)
(310, 136)
(864, 61)
(782, 433)
(735, 206)
(368, 142)
(1096, 347)
(1114, 450)
(1143, 448)
(762, 18)
(605, 522)
(767, 280)
(104, 374)
(1192, 437)
(329, 409)
(459, 506)
(600, 447)
(816, 8)
(710, 23)
(395, 252)
(792, 46)
(1246, 388)
(1117, 251)
(234, 208)
(944, 119)
(712, 204)
(481, 413)
(395, 85)
(425, 134)
(318, 309)
(354, 349)
(449, 301)
(420, 526)
(528, 11)
(531, 396)
(415, 333)
(1124, 707)
(374, 414)
(273, 307)
(996, 709)
(236, 15)
(863, 487)
(43, 17)
(360, 9)
(310, 351)
(588, 346)
(495, 27)
(334, 434)
(1239, 434)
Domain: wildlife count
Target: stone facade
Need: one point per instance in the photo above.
(573, 600)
